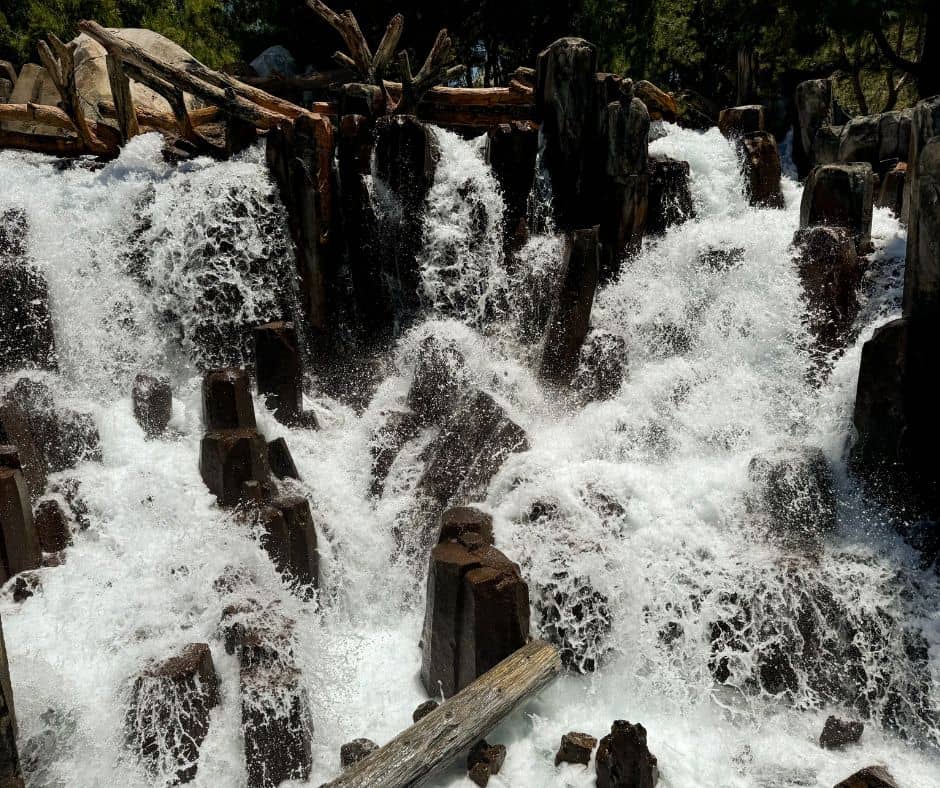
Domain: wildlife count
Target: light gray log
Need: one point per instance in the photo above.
(412, 757)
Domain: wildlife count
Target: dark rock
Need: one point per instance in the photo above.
(814, 106)
(718, 259)
(895, 131)
(734, 121)
(423, 710)
(493, 755)
(795, 489)
(576, 618)
(440, 376)
(356, 750)
(258, 636)
(479, 774)
(477, 614)
(230, 457)
(21, 550)
(624, 760)
(891, 191)
(695, 110)
(26, 336)
(52, 526)
(860, 140)
(168, 718)
(838, 732)
(10, 768)
(226, 400)
(831, 275)
(571, 310)
(290, 538)
(279, 370)
(826, 145)
(153, 403)
(602, 366)
(670, 196)
(399, 428)
(406, 157)
(840, 195)
(511, 149)
(280, 460)
(575, 748)
(921, 275)
(872, 777)
(761, 162)
(460, 520)
(10, 457)
(26, 585)
(69, 489)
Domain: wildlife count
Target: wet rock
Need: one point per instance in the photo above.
(659, 104)
(440, 376)
(406, 157)
(279, 370)
(458, 521)
(575, 617)
(602, 366)
(840, 195)
(492, 756)
(69, 489)
(356, 750)
(399, 428)
(275, 61)
(21, 550)
(761, 162)
(290, 538)
(280, 460)
(230, 457)
(624, 760)
(10, 769)
(256, 634)
(479, 774)
(921, 276)
(735, 121)
(423, 710)
(814, 106)
(153, 403)
(168, 718)
(720, 259)
(872, 777)
(891, 190)
(575, 748)
(571, 309)
(831, 275)
(10, 457)
(26, 585)
(26, 335)
(670, 196)
(826, 145)
(226, 400)
(52, 526)
(511, 150)
(860, 140)
(477, 614)
(796, 490)
(838, 732)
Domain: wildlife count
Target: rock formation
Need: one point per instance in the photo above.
(279, 370)
(670, 195)
(11, 775)
(840, 195)
(575, 748)
(624, 760)
(153, 403)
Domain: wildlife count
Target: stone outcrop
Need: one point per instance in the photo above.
(660, 104)
(226, 400)
(602, 366)
(168, 718)
(891, 190)
(735, 121)
(26, 335)
(356, 750)
(231, 457)
(153, 403)
(21, 550)
(837, 733)
(670, 195)
(575, 748)
(15, 432)
(34, 85)
(511, 150)
(815, 109)
(388, 440)
(624, 760)
(461, 520)
(11, 775)
(279, 370)
(840, 195)
(10, 457)
(280, 460)
(440, 376)
(570, 314)
(761, 166)
(289, 536)
(52, 526)
(870, 777)
(477, 613)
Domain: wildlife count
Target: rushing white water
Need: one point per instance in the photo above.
(640, 498)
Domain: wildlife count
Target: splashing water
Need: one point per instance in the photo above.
(627, 516)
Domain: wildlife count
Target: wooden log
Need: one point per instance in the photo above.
(37, 113)
(123, 100)
(412, 757)
(162, 121)
(42, 143)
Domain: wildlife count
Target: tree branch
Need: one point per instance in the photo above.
(893, 57)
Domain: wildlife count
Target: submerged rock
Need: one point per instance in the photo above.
(576, 618)
(838, 732)
(20, 543)
(387, 441)
(439, 378)
(871, 777)
(11, 775)
(602, 366)
(153, 403)
(52, 526)
(279, 370)
(761, 164)
(624, 760)
(356, 750)
(485, 760)
(290, 538)
(670, 195)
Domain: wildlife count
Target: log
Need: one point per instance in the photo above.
(162, 121)
(42, 143)
(123, 100)
(37, 113)
(412, 757)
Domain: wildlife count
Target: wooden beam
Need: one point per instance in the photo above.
(37, 113)
(42, 143)
(123, 100)
(162, 121)
(412, 757)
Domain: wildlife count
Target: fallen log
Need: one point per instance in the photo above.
(412, 757)
(162, 121)
(43, 114)
(42, 143)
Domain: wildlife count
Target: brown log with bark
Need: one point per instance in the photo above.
(42, 143)
(37, 113)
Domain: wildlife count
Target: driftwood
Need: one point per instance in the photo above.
(123, 100)
(433, 742)
(42, 143)
(37, 113)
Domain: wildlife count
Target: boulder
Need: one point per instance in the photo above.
(21, 550)
(440, 376)
(871, 777)
(387, 441)
(734, 121)
(696, 111)
(275, 61)
(511, 150)
(477, 614)
(226, 400)
(169, 713)
(289, 536)
(624, 760)
(571, 309)
(423, 710)
(761, 165)
(26, 335)
(52, 526)
(660, 104)
(460, 520)
(602, 365)
(891, 190)
(826, 145)
(795, 489)
(485, 760)
(479, 774)
(153, 403)
(11, 775)
(230, 457)
(575, 748)
(840, 195)
(6, 88)
(838, 732)
(670, 196)
(356, 750)
(34, 85)
(895, 132)
(279, 370)
(831, 275)
(814, 107)
(860, 140)
(280, 460)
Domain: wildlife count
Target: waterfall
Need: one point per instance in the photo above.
(628, 517)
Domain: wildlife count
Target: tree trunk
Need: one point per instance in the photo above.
(747, 65)
(928, 79)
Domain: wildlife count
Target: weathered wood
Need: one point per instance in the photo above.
(123, 100)
(42, 143)
(37, 113)
(412, 757)
(162, 121)
(171, 94)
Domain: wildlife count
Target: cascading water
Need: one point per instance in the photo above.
(628, 516)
